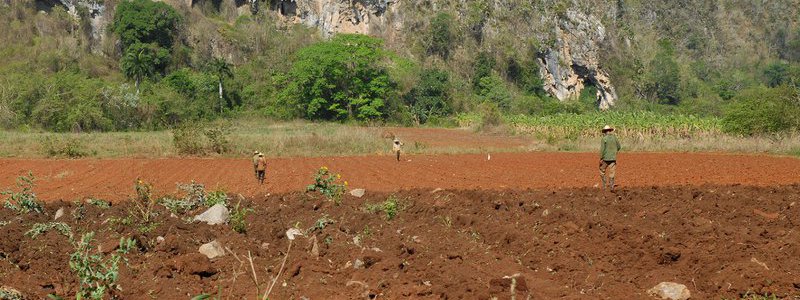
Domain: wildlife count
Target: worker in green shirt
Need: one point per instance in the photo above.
(609, 146)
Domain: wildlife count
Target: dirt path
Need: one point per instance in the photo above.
(113, 179)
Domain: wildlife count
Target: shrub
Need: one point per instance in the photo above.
(429, 98)
(70, 147)
(441, 35)
(97, 274)
(188, 138)
(41, 228)
(238, 214)
(25, 200)
(391, 207)
(218, 138)
(763, 110)
(325, 183)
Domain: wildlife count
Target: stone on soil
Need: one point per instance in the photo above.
(212, 250)
(358, 193)
(217, 214)
(671, 291)
(59, 214)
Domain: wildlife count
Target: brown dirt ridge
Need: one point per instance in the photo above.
(112, 179)
(720, 241)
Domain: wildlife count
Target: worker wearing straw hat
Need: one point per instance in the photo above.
(396, 147)
(255, 163)
(609, 146)
(261, 168)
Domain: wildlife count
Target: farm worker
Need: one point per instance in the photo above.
(255, 163)
(609, 146)
(261, 168)
(396, 145)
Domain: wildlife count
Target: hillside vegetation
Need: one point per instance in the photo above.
(731, 66)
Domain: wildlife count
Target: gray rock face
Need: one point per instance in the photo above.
(346, 16)
(212, 250)
(670, 290)
(217, 214)
(94, 10)
(572, 63)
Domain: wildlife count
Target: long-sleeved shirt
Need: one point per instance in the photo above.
(609, 146)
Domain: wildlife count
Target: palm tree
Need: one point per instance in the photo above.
(222, 69)
(137, 63)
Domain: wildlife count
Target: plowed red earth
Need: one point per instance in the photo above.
(113, 179)
(723, 225)
(721, 242)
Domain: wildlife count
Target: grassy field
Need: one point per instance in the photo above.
(647, 132)
(641, 132)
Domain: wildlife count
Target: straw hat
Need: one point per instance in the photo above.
(607, 128)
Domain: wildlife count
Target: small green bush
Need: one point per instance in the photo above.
(763, 110)
(70, 147)
(188, 139)
(97, 274)
(238, 214)
(25, 200)
(218, 138)
(42, 228)
(325, 183)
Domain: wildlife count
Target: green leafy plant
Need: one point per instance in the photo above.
(99, 203)
(64, 147)
(218, 137)
(41, 228)
(325, 183)
(25, 200)
(391, 207)
(97, 274)
(320, 224)
(188, 138)
(238, 214)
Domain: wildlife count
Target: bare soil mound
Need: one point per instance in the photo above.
(720, 241)
(112, 179)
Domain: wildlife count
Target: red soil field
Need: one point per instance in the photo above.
(113, 179)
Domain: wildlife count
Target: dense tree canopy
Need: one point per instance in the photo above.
(340, 79)
(145, 21)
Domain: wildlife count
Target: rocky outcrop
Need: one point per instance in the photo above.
(346, 16)
(572, 63)
(93, 10)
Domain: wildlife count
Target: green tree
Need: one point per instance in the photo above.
(222, 69)
(484, 63)
(143, 61)
(665, 74)
(145, 21)
(441, 35)
(763, 110)
(429, 98)
(492, 89)
(344, 78)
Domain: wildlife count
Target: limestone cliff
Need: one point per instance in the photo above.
(567, 66)
(573, 62)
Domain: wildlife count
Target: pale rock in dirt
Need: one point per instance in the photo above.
(59, 214)
(357, 264)
(217, 214)
(670, 290)
(212, 250)
(159, 239)
(358, 193)
(314, 246)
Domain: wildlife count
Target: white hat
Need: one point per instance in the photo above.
(607, 128)
(255, 152)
